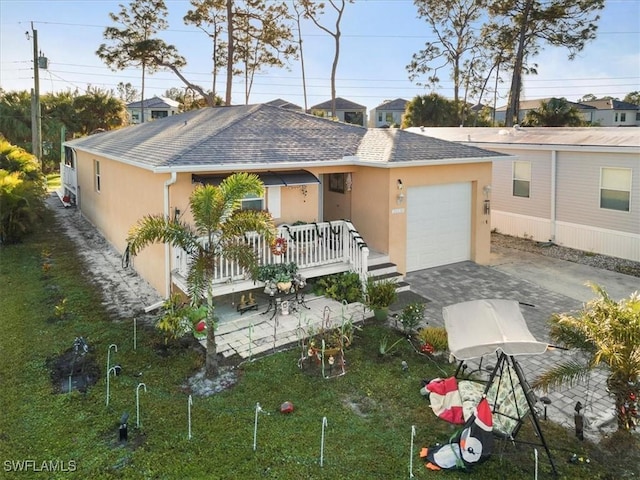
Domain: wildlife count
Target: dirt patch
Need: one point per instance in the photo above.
(75, 369)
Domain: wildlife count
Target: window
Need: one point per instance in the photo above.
(251, 202)
(615, 117)
(623, 116)
(380, 116)
(354, 118)
(69, 157)
(521, 179)
(336, 182)
(389, 118)
(155, 114)
(96, 169)
(135, 117)
(615, 188)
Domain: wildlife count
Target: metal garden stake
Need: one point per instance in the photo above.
(324, 424)
(138, 402)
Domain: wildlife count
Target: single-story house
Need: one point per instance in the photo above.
(389, 113)
(418, 200)
(154, 108)
(346, 111)
(577, 187)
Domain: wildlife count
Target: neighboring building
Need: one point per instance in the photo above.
(154, 108)
(577, 187)
(389, 113)
(528, 105)
(346, 111)
(278, 102)
(414, 199)
(611, 113)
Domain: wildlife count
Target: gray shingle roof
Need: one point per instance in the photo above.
(246, 134)
(341, 104)
(238, 136)
(279, 102)
(398, 104)
(611, 104)
(395, 145)
(155, 102)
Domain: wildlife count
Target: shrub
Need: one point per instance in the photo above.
(433, 339)
(341, 287)
(380, 293)
(411, 316)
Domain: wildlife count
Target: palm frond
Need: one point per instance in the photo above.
(157, 229)
(568, 373)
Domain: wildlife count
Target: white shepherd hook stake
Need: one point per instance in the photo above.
(112, 369)
(324, 424)
(413, 434)
(255, 427)
(189, 403)
(138, 402)
(109, 355)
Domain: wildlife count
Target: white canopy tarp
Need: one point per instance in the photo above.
(482, 327)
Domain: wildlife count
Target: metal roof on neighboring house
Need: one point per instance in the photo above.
(341, 104)
(263, 137)
(155, 102)
(398, 104)
(582, 137)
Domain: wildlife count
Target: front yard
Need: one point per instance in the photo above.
(369, 412)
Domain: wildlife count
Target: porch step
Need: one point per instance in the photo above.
(382, 269)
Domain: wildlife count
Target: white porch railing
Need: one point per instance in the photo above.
(69, 179)
(309, 245)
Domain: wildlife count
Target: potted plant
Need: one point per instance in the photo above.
(379, 295)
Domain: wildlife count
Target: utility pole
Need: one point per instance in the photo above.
(36, 114)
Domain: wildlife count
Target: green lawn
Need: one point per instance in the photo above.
(370, 411)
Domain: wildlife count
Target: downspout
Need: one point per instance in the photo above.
(167, 247)
(552, 232)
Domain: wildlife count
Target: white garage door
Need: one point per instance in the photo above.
(438, 225)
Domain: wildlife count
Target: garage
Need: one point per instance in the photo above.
(438, 225)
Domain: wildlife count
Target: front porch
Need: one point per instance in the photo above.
(318, 249)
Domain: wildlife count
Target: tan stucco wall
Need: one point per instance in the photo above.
(128, 193)
(382, 222)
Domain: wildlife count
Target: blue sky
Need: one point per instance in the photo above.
(379, 38)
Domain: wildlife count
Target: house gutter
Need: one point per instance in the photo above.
(167, 247)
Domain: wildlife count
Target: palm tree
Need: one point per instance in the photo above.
(608, 333)
(22, 192)
(217, 233)
(557, 112)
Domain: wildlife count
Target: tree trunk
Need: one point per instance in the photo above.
(334, 68)
(304, 82)
(513, 108)
(142, 94)
(211, 359)
(227, 100)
